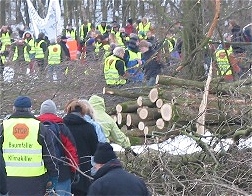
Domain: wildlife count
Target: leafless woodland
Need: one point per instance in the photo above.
(226, 172)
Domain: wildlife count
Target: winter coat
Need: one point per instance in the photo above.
(153, 67)
(86, 142)
(112, 179)
(3, 176)
(237, 36)
(33, 185)
(100, 134)
(108, 124)
(67, 139)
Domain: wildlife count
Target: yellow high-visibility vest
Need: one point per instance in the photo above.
(111, 73)
(71, 34)
(101, 29)
(39, 51)
(82, 30)
(54, 56)
(223, 63)
(144, 29)
(26, 55)
(21, 151)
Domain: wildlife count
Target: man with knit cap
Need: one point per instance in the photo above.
(133, 60)
(110, 178)
(67, 172)
(152, 62)
(27, 150)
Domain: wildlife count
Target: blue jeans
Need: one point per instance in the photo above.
(64, 188)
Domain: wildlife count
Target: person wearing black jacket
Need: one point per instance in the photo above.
(41, 45)
(152, 66)
(27, 150)
(110, 178)
(3, 176)
(86, 141)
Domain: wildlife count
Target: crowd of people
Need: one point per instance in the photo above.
(31, 162)
(130, 54)
(92, 43)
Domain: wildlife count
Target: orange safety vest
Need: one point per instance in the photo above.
(72, 47)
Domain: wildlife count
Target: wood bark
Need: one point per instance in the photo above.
(123, 93)
(215, 86)
(149, 113)
(127, 107)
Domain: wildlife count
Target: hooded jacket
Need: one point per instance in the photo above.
(110, 128)
(68, 141)
(112, 179)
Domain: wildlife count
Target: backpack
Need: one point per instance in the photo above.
(54, 128)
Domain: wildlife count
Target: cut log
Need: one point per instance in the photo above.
(166, 112)
(144, 101)
(127, 107)
(159, 103)
(121, 118)
(123, 93)
(160, 123)
(215, 86)
(149, 113)
(153, 95)
(143, 124)
(132, 119)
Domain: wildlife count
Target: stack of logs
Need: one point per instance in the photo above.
(173, 106)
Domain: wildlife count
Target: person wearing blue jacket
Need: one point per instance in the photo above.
(89, 117)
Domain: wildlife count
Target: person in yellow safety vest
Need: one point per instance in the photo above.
(102, 27)
(5, 36)
(98, 46)
(20, 56)
(40, 49)
(119, 34)
(133, 59)
(29, 50)
(84, 29)
(54, 55)
(28, 152)
(70, 32)
(143, 27)
(226, 63)
(114, 68)
(3, 56)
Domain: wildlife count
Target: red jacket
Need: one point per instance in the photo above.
(68, 142)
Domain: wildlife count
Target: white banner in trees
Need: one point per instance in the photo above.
(51, 25)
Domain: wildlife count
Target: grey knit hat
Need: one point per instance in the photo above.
(48, 106)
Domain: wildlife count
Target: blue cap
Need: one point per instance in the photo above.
(22, 102)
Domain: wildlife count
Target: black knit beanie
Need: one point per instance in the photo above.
(104, 153)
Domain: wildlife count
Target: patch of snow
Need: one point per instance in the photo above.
(8, 74)
(181, 145)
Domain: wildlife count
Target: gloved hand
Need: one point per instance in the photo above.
(51, 184)
(75, 177)
(129, 150)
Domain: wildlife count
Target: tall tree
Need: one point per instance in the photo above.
(192, 36)
(3, 14)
